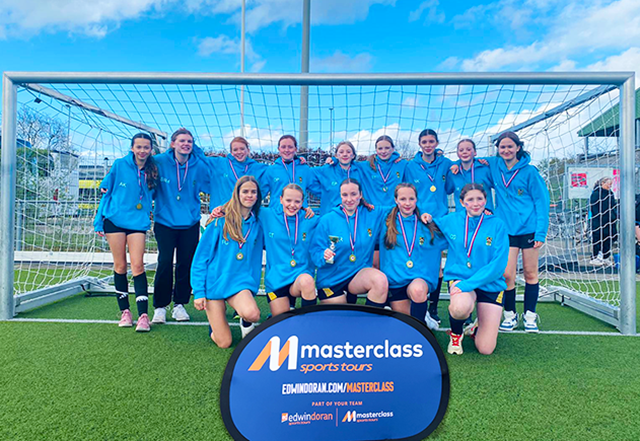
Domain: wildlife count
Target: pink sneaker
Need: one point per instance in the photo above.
(126, 321)
(143, 324)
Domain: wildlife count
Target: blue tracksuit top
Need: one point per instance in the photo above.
(179, 209)
(334, 223)
(524, 205)
(326, 182)
(373, 185)
(216, 272)
(489, 255)
(279, 243)
(277, 176)
(425, 256)
(481, 175)
(430, 181)
(224, 167)
(126, 187)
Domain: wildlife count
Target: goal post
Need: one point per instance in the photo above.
(104, 107)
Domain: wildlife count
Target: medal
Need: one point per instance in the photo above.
(142, 177)
(295, 237)
(384, 178)
(240, 256)
(139, 206)
(292, 180)
(404, 236)
(506, 184)
(433, 189)
(184, 178)
(473, 166)
(473, 239)
(352, 238)
(246, 167)
(384, 189)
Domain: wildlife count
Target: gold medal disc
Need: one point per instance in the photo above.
(139, 206)
(433, 189)
(409, 264)
(352, 258)
(239, 256)
(293, 263)
(468, 264)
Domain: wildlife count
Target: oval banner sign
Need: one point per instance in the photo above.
(339, 372)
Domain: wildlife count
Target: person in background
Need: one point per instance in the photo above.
(604, 213)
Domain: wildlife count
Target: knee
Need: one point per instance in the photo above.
(485, 348)
(380, 282)
(120, 268)
(252, 315)
(459, 311)
(222, 342)
(417, 295)
(307, 284)
(531, 276)
(137, 269)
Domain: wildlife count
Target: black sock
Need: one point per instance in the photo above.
(419, 310)
(292, 302)
(122, 290)
(435, 296)
(245, 323)
(142, 293)
(510, 300)
(352, 299)
(531, 292)
(456, 325)
(372, 303)
(304, 302)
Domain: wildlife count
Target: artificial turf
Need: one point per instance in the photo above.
(99, 382)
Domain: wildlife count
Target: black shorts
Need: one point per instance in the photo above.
(336, 290)
(397, 294)
(522, 241)
(495, 298)
(279, 293)
(110, 227)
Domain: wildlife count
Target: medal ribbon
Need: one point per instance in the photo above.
(473, 174)
(246, 167)
(184, 178)
(295, 239)
(466, 234)
(506, 184)
(244, 239)
(292, 180)
(384, 178)
(352, 238)
(142, 177)
(425, 170)
(404, 235)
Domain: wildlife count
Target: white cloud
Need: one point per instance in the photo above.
(564, 66)
(222, 44)
(260, 139)
(432, 16)
(410, 101)
(575, 30)
(258, 66)
(340, 62)
(628, 60)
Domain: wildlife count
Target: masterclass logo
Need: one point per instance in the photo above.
(365, 417)
(292, 350)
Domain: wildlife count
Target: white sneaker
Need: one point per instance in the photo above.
(180, 314)
(510, 321)
(530, 321)
(455, 343)
(431, 323)
(596, 261)
(244, 330)
(159, 316)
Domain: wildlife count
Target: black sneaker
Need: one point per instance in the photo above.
(434, 315)
(468, 321)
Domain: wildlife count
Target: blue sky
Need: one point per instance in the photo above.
(346, 36)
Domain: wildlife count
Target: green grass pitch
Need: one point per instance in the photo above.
(72, 381)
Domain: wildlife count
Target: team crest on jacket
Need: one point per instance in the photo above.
(444, 178)
(489, 240)
(452, 236)
(300, 178)
(369, 232)
(421, 240)
(304, 236)
(520, 192)
(270, 233)
(398, 174)
(334, 183)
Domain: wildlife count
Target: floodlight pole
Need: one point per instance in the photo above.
(8, 173)
(304, 90)
(627, 212)
(242, 32)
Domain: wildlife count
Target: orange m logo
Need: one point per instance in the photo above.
(276, 355)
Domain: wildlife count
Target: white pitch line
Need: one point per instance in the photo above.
(115, 322)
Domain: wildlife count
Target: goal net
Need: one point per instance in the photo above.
(69, 133)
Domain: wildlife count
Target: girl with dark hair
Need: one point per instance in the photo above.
(428, 172)
(477, 257)
(604, 213)
(522, 202)
(385, 170)
(342, 249)
(177, 224)
(410, 256)
(123, 216)
(469, 171)
(326, 179)
(228, 263)
(287, 234)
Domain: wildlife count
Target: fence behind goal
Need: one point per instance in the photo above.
(61, 133)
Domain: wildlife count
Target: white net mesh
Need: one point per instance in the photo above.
(58, 175)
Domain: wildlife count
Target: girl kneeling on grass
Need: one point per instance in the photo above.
(123, 216)
(228, 263)
(478, 255)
